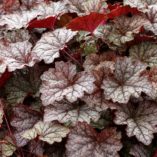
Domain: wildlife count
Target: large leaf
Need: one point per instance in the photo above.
(84, 141)
(66, 112)
(18, 55)
(127, 81)
(140, 120)
(122, 30)
(87, 23)
(48, 132)
(64, 81)
(48, 47)
(145, 52)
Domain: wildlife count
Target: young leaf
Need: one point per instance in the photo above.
(66, 112)
(48, 47)
(48, 132)
(127, 81)
(18, 55)
(145, 52)
(87, 23)
(84, 141)
(140, 120)
(63, 81)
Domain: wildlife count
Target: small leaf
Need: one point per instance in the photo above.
(48, 132)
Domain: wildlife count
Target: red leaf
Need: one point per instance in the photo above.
(117, 10)
(141, 38)
(43, 23)
(4, 78)
(87, 23)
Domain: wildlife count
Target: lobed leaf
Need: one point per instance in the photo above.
(141, 120)
(127, 82)
(64, 82)
(65, 112)
(84, 141)
(48, 47)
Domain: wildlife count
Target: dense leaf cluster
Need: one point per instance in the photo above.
(78, 78)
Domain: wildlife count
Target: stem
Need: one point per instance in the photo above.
(72, 58)
(11, 134)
